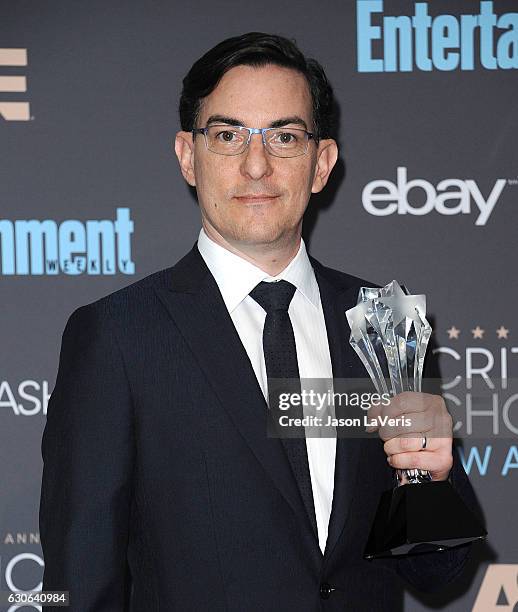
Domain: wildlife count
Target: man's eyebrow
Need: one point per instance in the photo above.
(295, 119)
(289, 120)
(223, 119)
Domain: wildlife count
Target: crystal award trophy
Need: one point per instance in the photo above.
(390, 333)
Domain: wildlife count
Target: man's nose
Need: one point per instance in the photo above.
(256, 161)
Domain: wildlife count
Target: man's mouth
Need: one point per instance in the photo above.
(255, 198)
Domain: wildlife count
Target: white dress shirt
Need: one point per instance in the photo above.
(236, 277)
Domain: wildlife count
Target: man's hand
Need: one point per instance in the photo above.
(417, 415)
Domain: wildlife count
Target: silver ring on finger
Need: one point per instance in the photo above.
(423, 442)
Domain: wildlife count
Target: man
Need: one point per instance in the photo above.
(161, 489)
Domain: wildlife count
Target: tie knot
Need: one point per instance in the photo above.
(273, 296)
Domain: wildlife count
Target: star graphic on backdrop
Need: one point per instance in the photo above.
(502, 332)
(477, 332)
(453, 333)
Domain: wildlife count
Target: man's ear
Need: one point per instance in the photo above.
(327, 155)
(184, 149)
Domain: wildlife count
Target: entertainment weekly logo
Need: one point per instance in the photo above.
(72, 247)
(11, 110)
(403, 43)
(452, 196)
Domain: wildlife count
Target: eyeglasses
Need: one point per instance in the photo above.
(234, 139)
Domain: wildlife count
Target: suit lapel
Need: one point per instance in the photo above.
(194, 302)
(336, 300)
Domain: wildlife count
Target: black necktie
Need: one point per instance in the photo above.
(280, 356)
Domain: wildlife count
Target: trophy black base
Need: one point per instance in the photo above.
(419, 518)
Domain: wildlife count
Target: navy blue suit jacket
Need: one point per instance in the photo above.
(161, 490)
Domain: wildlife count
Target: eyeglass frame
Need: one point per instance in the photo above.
(204, 130)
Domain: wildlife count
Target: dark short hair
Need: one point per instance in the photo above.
(256, 49)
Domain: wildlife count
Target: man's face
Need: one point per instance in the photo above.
(255, 198)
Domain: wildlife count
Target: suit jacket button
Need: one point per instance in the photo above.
(325, 590)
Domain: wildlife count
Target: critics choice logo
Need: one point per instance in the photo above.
(451, 196)
(479, 383)
(443, 42)
(33, 247)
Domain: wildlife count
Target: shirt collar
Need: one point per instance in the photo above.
(236, 276)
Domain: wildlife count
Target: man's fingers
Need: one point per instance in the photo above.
(409, 443)
(423, 460)
(414, 423)
(373, 414)
(409, 412)
(407, 402)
